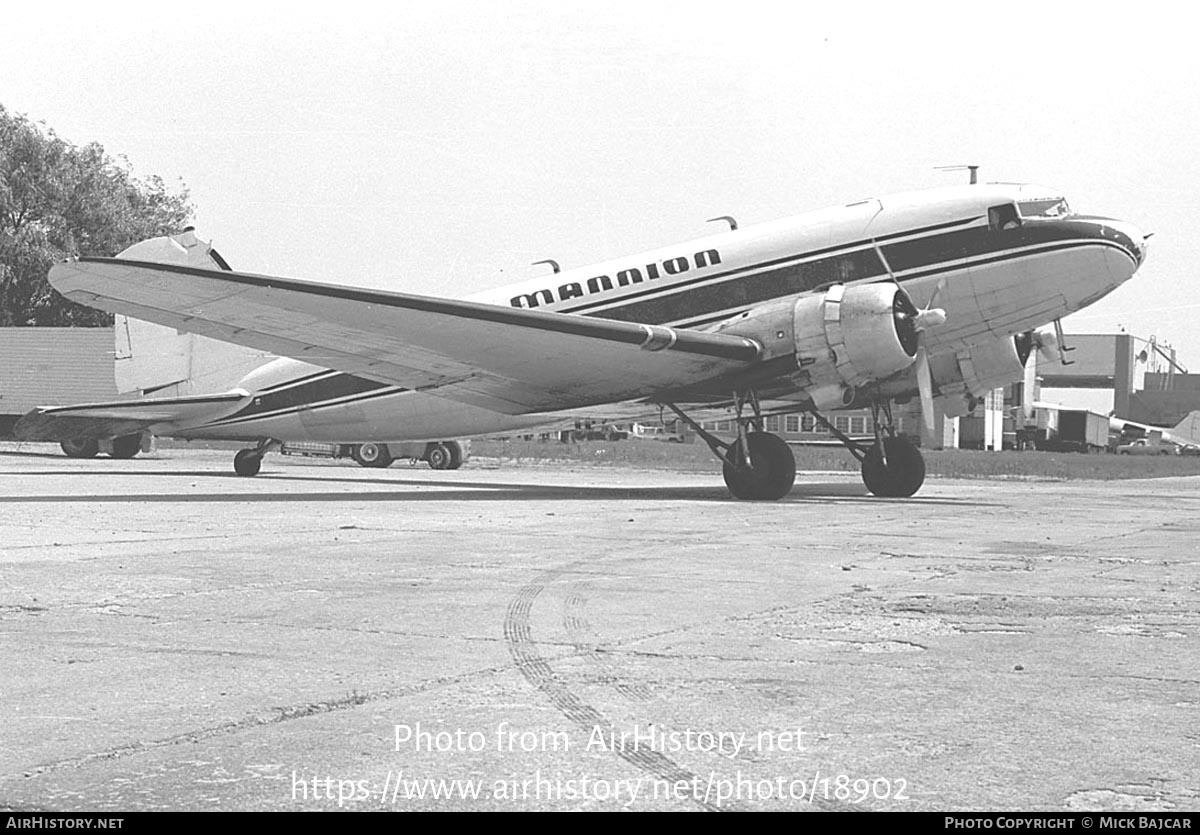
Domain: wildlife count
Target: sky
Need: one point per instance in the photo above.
(440, 148)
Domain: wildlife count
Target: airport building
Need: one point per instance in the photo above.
(1118, 374)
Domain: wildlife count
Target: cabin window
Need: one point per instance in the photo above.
(1003, 217)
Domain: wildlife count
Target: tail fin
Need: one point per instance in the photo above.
(153, 359)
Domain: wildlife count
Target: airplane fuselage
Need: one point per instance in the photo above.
(1001, 259)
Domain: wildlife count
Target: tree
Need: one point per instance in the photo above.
(58, 200)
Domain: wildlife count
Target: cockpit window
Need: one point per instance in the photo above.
(1051, 207)
(1003, 217)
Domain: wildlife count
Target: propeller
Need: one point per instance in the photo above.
(927, 318)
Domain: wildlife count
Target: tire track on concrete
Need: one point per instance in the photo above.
(535, 669)
(537, 672)
(583, 637)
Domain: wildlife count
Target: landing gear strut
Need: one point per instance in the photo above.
(248, 462)
(758, 465)
(892, 466)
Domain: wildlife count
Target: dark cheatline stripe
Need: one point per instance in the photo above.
(1015, 255)
(328, 387)
(749, 290)
(286, 412)
(931, 255)
(298, 380)
(810, 254)
(148, 403)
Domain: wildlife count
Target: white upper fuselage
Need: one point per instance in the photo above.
(999, 273)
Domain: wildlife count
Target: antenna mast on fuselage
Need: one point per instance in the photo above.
(974, 169)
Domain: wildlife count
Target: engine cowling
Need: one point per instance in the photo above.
(839, 339)
(964, 378)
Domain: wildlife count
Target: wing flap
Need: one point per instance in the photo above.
(508, 359)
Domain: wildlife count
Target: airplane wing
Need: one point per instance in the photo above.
(123, 417)
(510, 360)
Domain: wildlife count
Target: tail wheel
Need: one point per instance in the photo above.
(372, 455)
(247, 462)
(902, 476)
(771, 473)
(440, 457)
(80, 449)
(126, 446)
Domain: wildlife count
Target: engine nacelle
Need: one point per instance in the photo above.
(962, 379)
(840, 339)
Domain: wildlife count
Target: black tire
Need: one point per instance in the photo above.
(247, 462)
(903, 475)
(80, 449)
(126, 446)
(372, 455)
(456, 454)
(772, 469)
(439, 457)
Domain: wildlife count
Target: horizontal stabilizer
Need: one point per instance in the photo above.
(93, 421)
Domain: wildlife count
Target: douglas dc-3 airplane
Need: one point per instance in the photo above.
(933, 294)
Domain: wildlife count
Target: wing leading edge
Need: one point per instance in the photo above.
(511, 360)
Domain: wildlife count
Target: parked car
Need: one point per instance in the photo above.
(1144, 446)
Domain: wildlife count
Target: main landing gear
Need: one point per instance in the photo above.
(892, 466)
(248, 462)
(758, 465)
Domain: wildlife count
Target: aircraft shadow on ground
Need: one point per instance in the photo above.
(446, 490)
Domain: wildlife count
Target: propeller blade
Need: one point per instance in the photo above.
(925, 386)
(936, 292)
